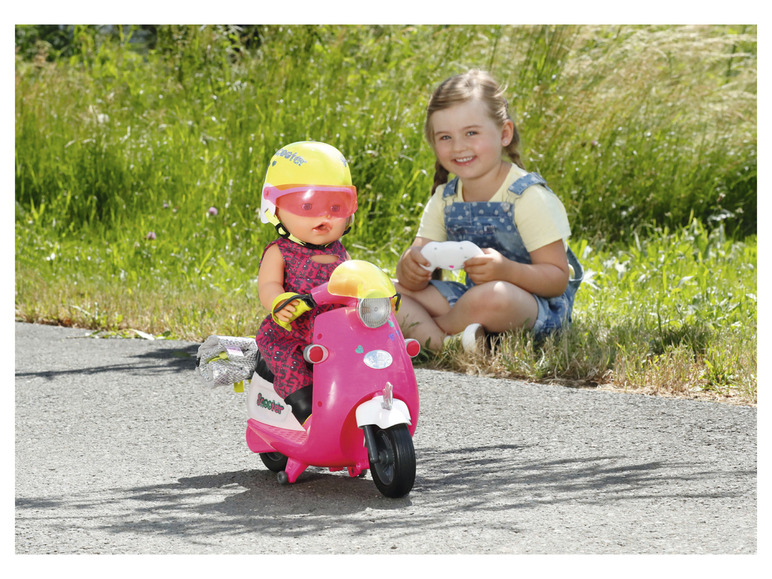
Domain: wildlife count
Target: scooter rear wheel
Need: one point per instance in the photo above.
(394, 472)
(275, 461)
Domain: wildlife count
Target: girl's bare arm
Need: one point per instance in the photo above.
(546, 276)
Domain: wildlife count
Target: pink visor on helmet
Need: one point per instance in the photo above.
(314, 200)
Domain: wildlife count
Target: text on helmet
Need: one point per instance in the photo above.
(291, 156)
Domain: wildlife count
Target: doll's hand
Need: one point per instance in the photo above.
(285, 314)
(288, 306)
(491, 266)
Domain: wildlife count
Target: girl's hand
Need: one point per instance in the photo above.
(410, 274)
(489, 267)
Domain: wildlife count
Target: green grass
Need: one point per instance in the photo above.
(648, 135)
(671, 314)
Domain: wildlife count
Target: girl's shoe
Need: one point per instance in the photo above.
(473, 338)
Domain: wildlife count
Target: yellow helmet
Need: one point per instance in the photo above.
(303, 171)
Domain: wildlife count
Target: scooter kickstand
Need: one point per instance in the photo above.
(291, 472)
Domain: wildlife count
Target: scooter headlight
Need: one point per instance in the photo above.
(374, 312)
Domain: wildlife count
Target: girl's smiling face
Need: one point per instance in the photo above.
(468, 142)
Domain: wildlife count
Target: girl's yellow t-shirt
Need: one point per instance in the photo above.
(540, 217)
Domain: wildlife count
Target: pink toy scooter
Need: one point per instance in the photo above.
(365, 398)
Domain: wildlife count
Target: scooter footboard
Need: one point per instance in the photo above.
(256, 443)
(286, 441)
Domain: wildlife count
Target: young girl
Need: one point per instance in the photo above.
(309, 198)
(527, 276)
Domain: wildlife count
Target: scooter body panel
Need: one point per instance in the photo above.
(360, 364)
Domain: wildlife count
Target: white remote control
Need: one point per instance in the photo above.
(449, 254)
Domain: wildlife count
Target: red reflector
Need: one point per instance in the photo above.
(314, 353)
(412, 347)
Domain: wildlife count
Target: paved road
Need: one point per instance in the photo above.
(121, 449)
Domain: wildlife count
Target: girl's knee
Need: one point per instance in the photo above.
(500, 306)
(493, 295)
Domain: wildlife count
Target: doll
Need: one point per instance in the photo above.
(309, 198)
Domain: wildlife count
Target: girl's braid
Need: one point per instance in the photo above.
(440, 176)
(512, 150)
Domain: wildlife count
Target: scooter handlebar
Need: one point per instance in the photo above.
(323, 297)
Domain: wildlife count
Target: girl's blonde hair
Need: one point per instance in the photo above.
(460, 89)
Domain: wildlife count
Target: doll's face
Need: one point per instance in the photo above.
(317, 230)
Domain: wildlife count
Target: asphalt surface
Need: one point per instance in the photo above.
(121, 449)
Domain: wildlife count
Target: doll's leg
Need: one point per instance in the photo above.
(298, 390)
(499, 306)
(291, 371)
(301, 401)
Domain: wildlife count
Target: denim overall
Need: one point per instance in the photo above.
(492, 224)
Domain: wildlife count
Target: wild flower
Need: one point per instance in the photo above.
(213, 211)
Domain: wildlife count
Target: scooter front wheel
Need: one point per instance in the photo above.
(394, 471)
(275, 461)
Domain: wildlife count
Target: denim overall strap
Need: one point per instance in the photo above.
(450, 188)
(519, 186)
(578, 274)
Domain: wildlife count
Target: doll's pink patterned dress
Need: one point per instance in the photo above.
(283, 350)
